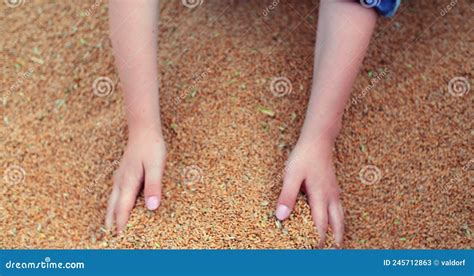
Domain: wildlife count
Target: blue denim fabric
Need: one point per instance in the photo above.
(385, 8)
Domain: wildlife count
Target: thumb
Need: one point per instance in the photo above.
(289, 193)
(152, 190)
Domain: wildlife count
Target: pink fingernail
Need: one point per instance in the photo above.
(282, 212)
(152, 203)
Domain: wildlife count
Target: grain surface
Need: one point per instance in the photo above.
(404, 157)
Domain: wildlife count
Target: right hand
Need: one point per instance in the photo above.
(143, 162)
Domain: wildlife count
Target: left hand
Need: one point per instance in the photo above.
(311, 165)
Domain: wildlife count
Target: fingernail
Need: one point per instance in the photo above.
(282, 212)
(152, 203)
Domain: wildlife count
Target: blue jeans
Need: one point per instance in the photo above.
(385, 8)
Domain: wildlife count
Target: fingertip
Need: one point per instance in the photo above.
(110, 213)
(152, 188)
(339, 234)
(282, 212)
(121, 220)
(337, 222)
(339, 244)
(108, 223)
(339, 238)
(120, 226)
(152, 202)
(289, 194)
(322, 243)
(322, 235)
(109, 217)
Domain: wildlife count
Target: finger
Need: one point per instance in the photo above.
(287, 199)
(319, 212)
(109, 217)
(129, 189)
(336, 219)
(153, 176)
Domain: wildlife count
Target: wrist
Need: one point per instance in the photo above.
(144, 129)
(321, 132)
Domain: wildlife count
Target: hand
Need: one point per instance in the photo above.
(143, 162)
(310, 164)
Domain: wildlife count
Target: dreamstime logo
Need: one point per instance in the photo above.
(270, 8)
(370, 175)
(93, 7)
(369, 3)
(192, 174)
(192, 3)
(14, 174)
(458, 176)
(103, 86)
(458, 86)
(47, 263)
(22, 77)
(281, 86)
(448, 7)
(109, 169)
(373, 82)
(193, 88)
(288, 166)
(14, 3)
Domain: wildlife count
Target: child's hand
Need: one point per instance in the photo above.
(144, 157)
(142, 162)
(311, 165)
(344, 32)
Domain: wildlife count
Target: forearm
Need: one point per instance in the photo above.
(344, 32)
(133, 31)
